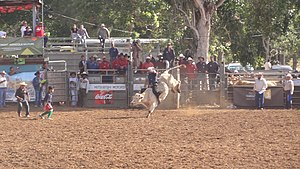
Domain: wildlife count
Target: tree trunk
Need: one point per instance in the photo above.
(202, 48)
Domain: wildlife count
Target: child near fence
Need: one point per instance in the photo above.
(73, 88)
(48, 108)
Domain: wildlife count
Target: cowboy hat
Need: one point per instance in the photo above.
(84, 73)
(151, 69)
(37, 73)
(190, 59)
(3, 72)
(289, 75)
(23, 84)
(181, 55)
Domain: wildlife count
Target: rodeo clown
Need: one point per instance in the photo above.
(153, 82)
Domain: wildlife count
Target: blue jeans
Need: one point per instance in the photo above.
(2, 96)
(259, 100)
(20, 106)
(288, 101)
(38, 97)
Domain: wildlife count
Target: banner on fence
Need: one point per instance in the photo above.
(245, 97)
(21, 46)
(103, 97)
(114, 87)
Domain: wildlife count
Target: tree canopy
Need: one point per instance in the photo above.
(247, 31)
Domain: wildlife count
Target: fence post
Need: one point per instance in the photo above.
(129, 83)
(178, 94)
(222, 79)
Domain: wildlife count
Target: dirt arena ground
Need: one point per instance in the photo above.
(194, 138)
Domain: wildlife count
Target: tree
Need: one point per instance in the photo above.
(197, 16)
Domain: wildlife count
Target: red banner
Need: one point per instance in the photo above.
(11, 9)
(103, 97)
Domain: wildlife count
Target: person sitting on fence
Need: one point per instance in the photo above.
(92, 64)
(147, 64)
(103, 33)
(83, 34)
(169, 55)
(74, 33)
(73, 88)
(288, 87)
(113, 52)
(191, 73)
(48, 104)
(121, 64)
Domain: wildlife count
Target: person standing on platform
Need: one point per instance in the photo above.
(82, 64)
(288, 87)
(3, 88)
(260, 87)
(212, 69)
(103, 34)
(83, 89)
(22, 98)
(113, 52)
(268, 65)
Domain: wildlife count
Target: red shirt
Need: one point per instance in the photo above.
(190, 71)
(146, 65)
(104, 65)
(120, 63)
(39, 31)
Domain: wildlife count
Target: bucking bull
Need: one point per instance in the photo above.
(149, 100)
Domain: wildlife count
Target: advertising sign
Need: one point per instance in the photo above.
(114, 87)
(245, 97)
(103, 97)
(21, 46)
(13, 85)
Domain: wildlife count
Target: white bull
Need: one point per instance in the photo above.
(169, 79)
(148, 99)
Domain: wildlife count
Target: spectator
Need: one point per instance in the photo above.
(191, 72)
(104, 64)
(48, 104)
(147, 64)
(28, 32)
(3, 88)
(22, 98)
(82, 64)
(23, 28)
(212, 69)
(2, 34)
(83, 34)
(154, 59)
(268, 65)
(46, 37)
(260, 87)
(182, 61)
(74, 33)
(37, 85)
(73, 86)
(160, 64)
(103, 33)
(113, 52)
(12, 71)
(92, 64)
(202, 71)
(169, 55)
(83, 89)
(121, 64)
(39, 30)
(136, 50)
(288, 87)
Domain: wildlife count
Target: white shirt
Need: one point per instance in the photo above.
(23, 29)
(3, 84)
(260, 85)
(84, 84)
(288, 85)
(268, 66)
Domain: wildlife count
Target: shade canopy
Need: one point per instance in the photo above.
(17, 5)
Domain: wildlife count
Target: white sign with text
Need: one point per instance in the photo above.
(114, 87)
